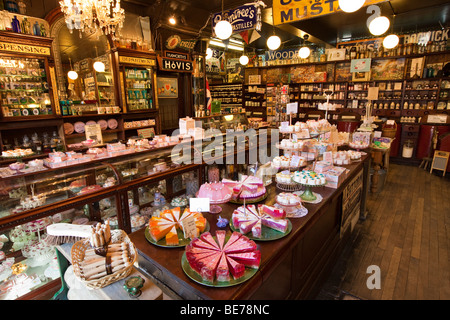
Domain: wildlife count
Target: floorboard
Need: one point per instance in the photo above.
(407, 234)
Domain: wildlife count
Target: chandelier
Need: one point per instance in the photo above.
(93, 15)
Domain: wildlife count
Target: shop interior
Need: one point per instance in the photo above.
(117, 117)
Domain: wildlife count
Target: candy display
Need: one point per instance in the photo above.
(163, 230)
(288, 199)
(179, 201)
(222, 258)
(360, 140)
(286, 162)
(17, 153)
(216, 192)
(308, 177)
(345, 157)
(250, 187)
(259, 221)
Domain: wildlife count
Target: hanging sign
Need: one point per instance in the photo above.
(241, 19)
(175, 41)
(169, 64)
(287, 11)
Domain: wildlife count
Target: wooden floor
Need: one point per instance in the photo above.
(406, 234)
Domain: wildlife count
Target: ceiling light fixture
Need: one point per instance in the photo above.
(72, 75)
(274, 41)
(223, 28)
(98, 65)
(172, 20)
(351, 5)
(105, 16)
(304, 52)
(391, 41)
(243, 60)
(379, 25)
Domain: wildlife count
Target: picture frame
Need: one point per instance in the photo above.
(360, 76)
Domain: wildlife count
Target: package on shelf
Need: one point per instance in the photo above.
(61, 159)
(335, 176)
(117, 149)
(323, 166)
(186, 124)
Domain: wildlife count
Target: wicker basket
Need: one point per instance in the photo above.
(79, 249)
(390, 132)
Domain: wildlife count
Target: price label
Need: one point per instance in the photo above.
(189, 227)
(292, 107)
(199, 204)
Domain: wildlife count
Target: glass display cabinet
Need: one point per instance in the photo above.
(38, 190)
(224, 122)
(25, 81)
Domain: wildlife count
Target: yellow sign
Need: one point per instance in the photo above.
(23, 48)
(139, 61)
(287, 11)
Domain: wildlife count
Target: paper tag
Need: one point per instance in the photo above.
(189, 228)
(292, 107)
(390, 122)
(199, 204)
(295, 161)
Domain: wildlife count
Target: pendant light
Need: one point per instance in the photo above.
(391, 40)
(72, 75)
(351, 5)
(223, 28)
(98, 65)
(304, 51)
(243, 60)
(274, 41)
(379, 25)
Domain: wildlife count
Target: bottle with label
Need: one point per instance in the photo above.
(26, 26)
(15, 25)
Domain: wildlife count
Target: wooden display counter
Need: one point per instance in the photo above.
(292, 267)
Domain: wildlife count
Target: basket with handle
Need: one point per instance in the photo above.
(78, 254)
(389, 132)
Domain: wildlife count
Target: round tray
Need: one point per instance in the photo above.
(289, 186)
(249, 201)
(267, 234)
(162, 243)
(249, 272)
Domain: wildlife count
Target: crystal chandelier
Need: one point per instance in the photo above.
(93, 15)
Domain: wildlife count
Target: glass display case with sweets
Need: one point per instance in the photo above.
(24, 87)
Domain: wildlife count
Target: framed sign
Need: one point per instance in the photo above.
(94, 132)
(167, 87)
(176, 65)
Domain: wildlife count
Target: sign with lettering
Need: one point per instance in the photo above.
(23, 48)
(287, 11)
(176, 55)
(175, 41)
(138, 61)
(241, 19)
(169, 64)
(281, 54)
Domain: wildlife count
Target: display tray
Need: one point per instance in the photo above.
(249, 201)
(182, 240)
(267, 234)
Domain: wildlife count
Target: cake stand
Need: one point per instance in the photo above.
(214, 193)
(308, 195)
(289, 187)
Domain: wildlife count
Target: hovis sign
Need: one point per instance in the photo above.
(287, 11)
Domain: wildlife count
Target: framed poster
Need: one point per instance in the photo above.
(167, 87)
(389, 69)
(360, 76)
(94, 132)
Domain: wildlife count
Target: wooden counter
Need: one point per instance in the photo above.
(291, 267)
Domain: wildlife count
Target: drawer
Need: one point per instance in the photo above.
(410, 127)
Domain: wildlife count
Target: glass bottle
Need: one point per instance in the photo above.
(36, 143)
(36, 29)
(46, 145)
(16, 25)
(11, 6)
(26, 143)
